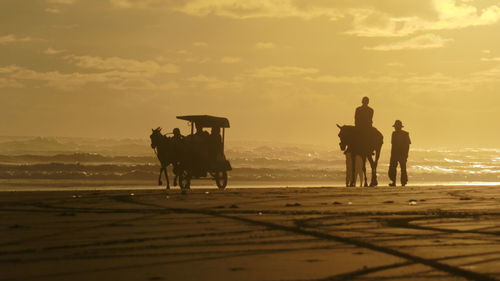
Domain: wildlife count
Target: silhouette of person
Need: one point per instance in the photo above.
(177, 151)
(177, 134)
(399, 153)
(215, 144)
(200, 142)
(363, 117)
(177, 141)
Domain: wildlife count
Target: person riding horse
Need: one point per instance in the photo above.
(363, 117)
(361, 141)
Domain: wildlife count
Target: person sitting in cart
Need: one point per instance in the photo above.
(200, 136)
(215, 145)
(200, 142)
(177, 136)
(178, 144)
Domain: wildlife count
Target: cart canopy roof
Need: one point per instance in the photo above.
(206, 120)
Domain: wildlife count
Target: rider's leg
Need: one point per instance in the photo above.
(358, 170)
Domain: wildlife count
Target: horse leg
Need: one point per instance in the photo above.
(175, 169)
(373, 165)
(353, 170)
(159, 177)
(364, 171)
(166, 176)
(348, 169)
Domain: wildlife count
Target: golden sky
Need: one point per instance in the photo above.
(280, 70)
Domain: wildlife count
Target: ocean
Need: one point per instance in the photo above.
(78, 162)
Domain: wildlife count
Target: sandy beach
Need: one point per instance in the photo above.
(329, 233)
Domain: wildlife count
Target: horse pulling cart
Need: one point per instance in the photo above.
(203, 154)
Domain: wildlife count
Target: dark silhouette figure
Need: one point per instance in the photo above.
(178, 150)
(166, 152)
(399, 153)
(363, 117)
(198, 145)
(215, 145)
(363, 144)
(177, 134)
(201, 149)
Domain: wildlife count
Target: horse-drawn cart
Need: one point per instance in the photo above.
(203, 155)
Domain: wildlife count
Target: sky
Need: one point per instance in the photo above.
(280, 70)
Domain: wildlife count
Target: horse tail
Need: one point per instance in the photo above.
(378, 146)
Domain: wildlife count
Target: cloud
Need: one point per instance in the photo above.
(435, 79)
(142, 84)
(229, 60)
(264, 45)
(9, 69)
(51, 51)
(144, 4)
(112, 72)
(282, 71)
(56, 5)
(10, 83)
(200, 44)
(199, 60)
(212, 83)
(182, 52)
(54, 79)
(491, 59)
(426, 41)
(118, 80)
(394, 64)
(53, 10)
(450, 14)
(117, 63)
(61, 2)
(258, 9)
(352, 79)
(486, 76)
(238, 9)
(383, 18)
(9, 39)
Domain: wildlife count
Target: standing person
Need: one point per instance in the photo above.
(363, 118)
(399, 153)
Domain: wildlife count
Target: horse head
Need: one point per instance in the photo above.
(344, 137)
(156, 137)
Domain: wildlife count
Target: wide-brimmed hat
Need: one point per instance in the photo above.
(397, 124)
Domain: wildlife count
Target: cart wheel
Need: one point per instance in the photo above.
(221, 179)
(184, 180)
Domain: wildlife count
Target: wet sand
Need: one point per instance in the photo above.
(330, 233)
